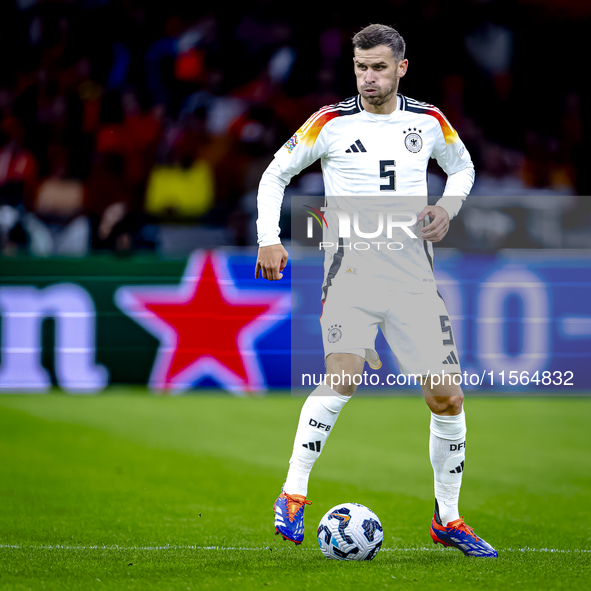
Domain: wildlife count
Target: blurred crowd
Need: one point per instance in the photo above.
(129, 126)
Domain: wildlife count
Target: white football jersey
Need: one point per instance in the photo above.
(374, 166)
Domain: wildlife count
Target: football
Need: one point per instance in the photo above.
(350, 532)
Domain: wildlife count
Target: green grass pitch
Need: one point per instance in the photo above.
(132, 491)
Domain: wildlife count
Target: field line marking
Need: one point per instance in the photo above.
(243, 548)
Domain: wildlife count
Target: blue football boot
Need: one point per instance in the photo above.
(461, 536)
(289, 516)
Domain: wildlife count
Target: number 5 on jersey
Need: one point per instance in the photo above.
(387, 172)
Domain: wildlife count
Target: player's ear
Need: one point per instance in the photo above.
(402, 67)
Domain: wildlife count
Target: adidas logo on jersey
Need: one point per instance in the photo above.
(356, 147)
(451, 359)
(313, 445)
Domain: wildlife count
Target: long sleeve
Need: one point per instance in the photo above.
(269, 200)
(457, 188)
(453, 157)
(300, 151)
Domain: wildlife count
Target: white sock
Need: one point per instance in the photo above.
(317, 418)
(447, 450)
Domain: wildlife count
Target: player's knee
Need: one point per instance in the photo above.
(445, 405)
(344, 372)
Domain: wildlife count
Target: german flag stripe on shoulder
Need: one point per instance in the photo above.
(308, 132)
(414, 106)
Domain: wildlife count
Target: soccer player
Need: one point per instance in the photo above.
(374, 149)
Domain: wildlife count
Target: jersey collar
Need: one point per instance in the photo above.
(401, 102)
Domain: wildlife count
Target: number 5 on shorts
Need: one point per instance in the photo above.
(446, 328)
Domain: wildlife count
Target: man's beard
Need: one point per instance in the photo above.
(379, 99)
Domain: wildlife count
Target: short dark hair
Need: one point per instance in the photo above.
(374, 35)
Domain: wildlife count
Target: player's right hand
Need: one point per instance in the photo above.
(271, 261)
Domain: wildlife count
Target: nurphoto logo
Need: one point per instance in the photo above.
(349, 225)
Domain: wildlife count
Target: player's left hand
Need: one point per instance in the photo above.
(437, 229)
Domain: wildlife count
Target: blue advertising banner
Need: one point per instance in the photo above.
(521, 322)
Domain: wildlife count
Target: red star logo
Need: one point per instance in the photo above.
(205, 325)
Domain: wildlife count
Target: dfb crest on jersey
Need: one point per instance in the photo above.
(334, 333)
(413, 142)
